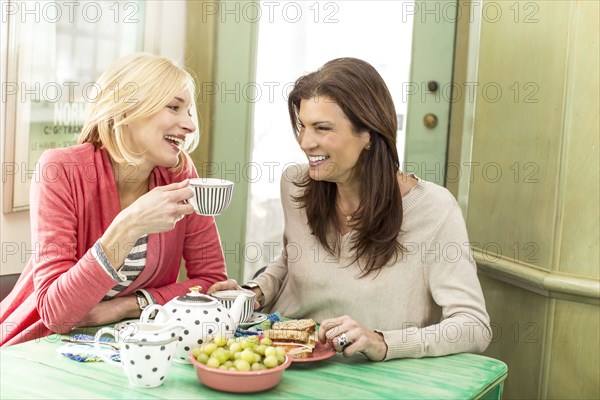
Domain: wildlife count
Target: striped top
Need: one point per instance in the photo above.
(132, 267)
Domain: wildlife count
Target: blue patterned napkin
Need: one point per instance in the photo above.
(86, 352)
(260, 327)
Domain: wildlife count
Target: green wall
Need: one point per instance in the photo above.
(235, 57)
(532, 200)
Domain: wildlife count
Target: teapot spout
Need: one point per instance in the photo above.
(237, 309)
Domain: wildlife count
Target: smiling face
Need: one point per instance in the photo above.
(161, 136)
(328, 138)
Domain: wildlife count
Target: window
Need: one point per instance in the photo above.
(56, 50)
(296, 42)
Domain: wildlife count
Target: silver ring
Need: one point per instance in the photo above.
(342, 341)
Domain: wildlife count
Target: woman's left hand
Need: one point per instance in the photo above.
(112, 310)
(231, 284)
(359, 338)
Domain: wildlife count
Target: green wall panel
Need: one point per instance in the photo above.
(517, 133)
(537, 205)
(575, 360)
(232, 122)
(580, 235)
(518, 323)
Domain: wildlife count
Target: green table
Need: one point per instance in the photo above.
(35, 370)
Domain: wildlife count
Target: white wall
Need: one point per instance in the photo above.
(165, 29)
(15, 236)
(16, 242)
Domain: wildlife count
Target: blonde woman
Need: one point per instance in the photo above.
(110, 218)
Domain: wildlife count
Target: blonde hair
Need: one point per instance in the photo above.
(135, 87)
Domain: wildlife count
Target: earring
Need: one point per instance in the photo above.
(368, 146)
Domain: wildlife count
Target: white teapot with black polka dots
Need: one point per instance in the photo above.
(203, 317)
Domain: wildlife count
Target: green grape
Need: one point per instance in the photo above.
(260, 349)
(248, 343)
(248, 355)
(202, 358)
(220, 340)
(258, 366)
(196, 351)
(271, 361)
(280, 354)
(235, 347)
(221, 356)
(241, 365)
(270, 351)
(219, 350)
(213, 363)
(209, 348)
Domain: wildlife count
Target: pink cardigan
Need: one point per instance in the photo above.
(74, 198)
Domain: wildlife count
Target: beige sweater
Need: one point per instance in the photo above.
(429, 303)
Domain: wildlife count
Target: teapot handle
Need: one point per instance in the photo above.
(162, 315)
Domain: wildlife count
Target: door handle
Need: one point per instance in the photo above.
(433, 86)
(430, 121)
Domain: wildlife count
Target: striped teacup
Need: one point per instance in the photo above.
(228, 297)
(211, 196)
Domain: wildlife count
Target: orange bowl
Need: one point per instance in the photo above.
(239, 381)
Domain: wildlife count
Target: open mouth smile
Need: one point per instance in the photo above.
(175, 141)
(315, 161)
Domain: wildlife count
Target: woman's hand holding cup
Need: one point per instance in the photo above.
(231, 284)
(161, 208)
(211, 196)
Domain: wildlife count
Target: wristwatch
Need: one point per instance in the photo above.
(141, 300)
(251, 285)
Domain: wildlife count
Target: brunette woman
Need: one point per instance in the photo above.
(380, 258)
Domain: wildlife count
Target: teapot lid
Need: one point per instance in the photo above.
(194, 297)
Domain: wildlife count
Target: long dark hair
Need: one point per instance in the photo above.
(358, 89)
